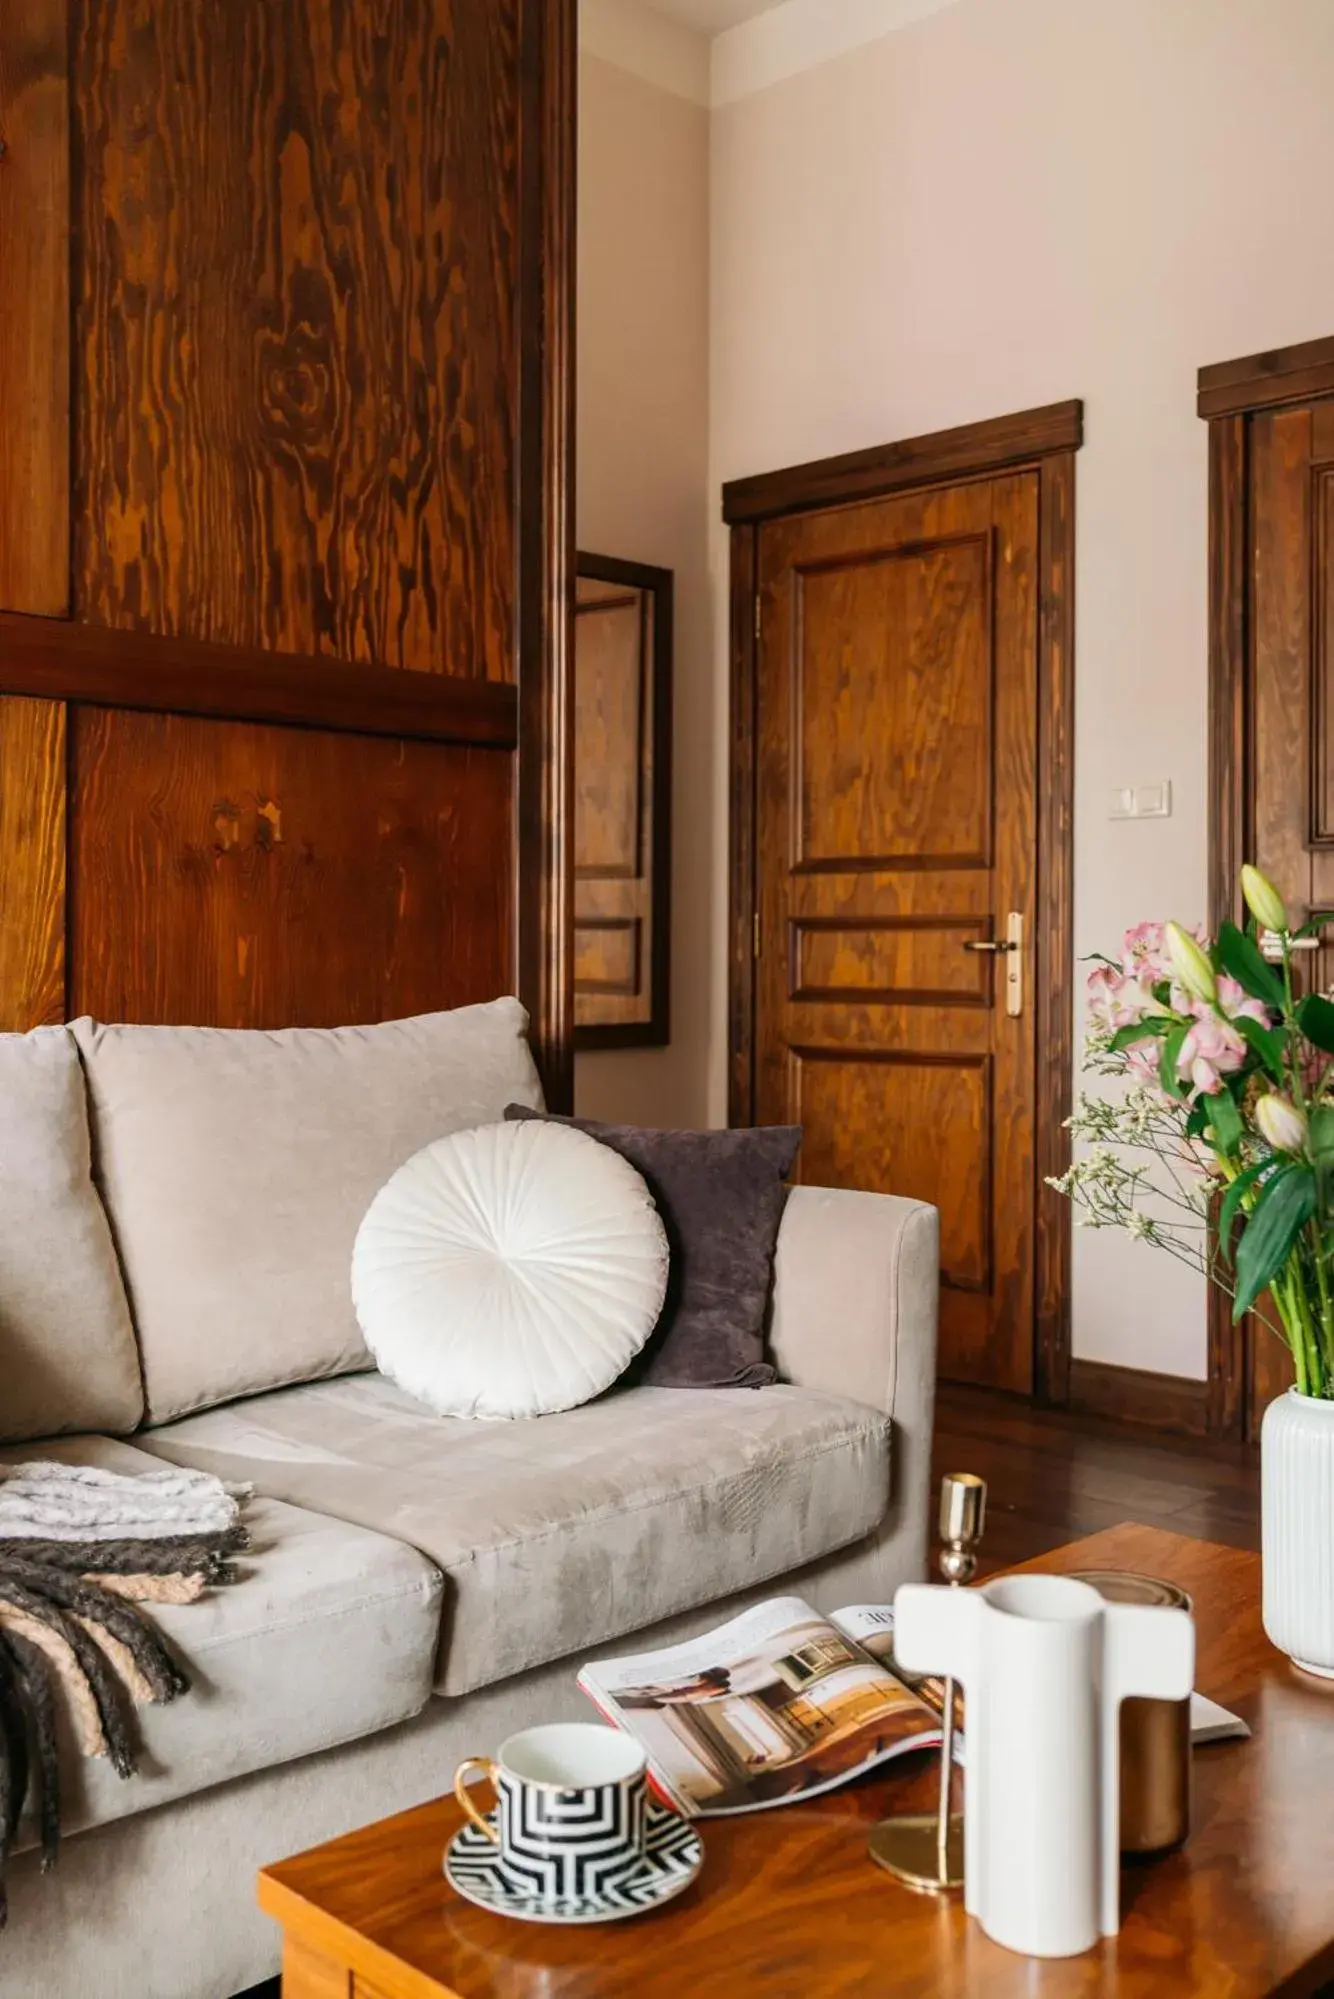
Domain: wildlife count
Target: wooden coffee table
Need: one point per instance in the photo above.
(788, 1903)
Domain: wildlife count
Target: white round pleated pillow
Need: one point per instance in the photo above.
(512, 1270)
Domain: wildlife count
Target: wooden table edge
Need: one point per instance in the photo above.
(309, 1928)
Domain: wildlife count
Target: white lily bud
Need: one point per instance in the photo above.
(1281, 1124)
(1263, 900)
(1190, 963)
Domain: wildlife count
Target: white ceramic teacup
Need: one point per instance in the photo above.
(571, 1806)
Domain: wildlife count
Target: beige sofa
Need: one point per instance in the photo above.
(176, 1214)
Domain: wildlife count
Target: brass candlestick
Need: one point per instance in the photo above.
(925, 1850)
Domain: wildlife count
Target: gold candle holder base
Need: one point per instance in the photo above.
(909, 1849)
(925, 1851)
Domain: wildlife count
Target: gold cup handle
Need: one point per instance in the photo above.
(461, 1775)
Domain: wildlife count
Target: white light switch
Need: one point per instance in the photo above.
(1141, 801)
(1154, 801)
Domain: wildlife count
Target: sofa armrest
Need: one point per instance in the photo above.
(856, 1296)
(856, 1286)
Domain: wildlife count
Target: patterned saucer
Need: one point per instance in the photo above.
(474, 1868)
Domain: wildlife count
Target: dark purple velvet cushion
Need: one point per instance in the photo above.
(721, 1196)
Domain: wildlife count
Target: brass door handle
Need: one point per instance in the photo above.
(1011, 948)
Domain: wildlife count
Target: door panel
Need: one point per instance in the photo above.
(1292, 588)
(897, 724)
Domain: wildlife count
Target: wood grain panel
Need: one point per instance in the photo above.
(296, 325)
(32, 842)
(252, 876)
(919, 960)
(899, 1122)
(912, 672)
(34, 308)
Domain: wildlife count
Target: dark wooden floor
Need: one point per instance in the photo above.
(1052, 1477)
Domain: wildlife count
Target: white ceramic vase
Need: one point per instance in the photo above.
(1297, 1528)
(1045, 1663)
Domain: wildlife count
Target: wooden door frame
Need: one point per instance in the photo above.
(1229, 394)
(1043, 441)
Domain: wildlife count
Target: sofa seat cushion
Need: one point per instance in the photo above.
(568, 1531)
(329, 1634)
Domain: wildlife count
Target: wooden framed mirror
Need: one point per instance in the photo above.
(622, 803)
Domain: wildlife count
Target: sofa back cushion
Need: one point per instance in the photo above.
(67, 1352)
(236, 1165)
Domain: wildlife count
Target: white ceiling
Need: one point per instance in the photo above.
(710, 17)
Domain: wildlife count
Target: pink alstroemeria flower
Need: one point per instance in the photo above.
(1211, 1050)
(1144, 952)
(1115, 1000)
(1237, 1003)
(1142, 1060)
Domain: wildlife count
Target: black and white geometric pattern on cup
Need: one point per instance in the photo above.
(673, 1857)
(572, 1844)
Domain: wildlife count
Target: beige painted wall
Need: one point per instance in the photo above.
(1010, 202)
(643, 448)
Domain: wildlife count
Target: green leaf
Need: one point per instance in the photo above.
(1321, 1139)
(1224, 1120)
(1240, 955)
(1139, 1030)
(1167, 1061)
(1232, 1199)
(1315, 1017)
(1197, 1122)
(1315, 924)
(1286, 1205)
(1267, 1042)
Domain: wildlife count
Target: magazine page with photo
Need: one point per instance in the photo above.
(780, 1703)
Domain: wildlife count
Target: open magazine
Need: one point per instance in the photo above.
(778, 1704)
(782, 1703)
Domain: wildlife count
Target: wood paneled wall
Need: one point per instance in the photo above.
(284, 514)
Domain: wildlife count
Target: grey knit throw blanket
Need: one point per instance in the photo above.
(81, 1550)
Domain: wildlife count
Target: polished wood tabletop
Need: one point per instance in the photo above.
(789, 1904)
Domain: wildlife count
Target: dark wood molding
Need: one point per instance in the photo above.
(742, 887)
(662, 583)
(1054, 920)
(971, 450)
(544, 832)
(1260, 381)
(60, 661)
(1230, 793)
(1169, 1402)
(1046, 439)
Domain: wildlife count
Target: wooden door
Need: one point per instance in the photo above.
(896, 833)
(1272, 512)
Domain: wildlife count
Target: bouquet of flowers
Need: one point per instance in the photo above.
(1221, 1148)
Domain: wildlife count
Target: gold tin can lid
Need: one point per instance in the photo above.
(1124, 1586)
